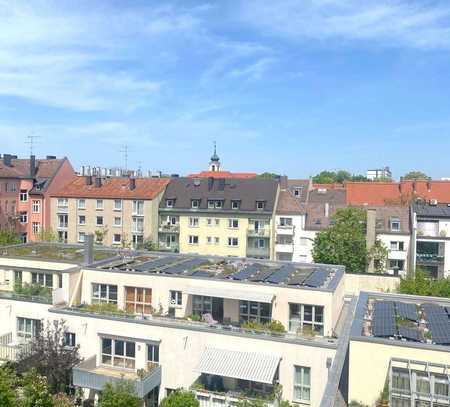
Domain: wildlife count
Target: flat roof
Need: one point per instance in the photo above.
(403, 320)
(244, 270)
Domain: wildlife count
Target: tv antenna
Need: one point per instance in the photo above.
(32, 138)
(125, 150)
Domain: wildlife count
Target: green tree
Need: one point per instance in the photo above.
(180, 398)
(8, 237)
(120, 394)
(379, 254)
(7, 384)
(325, 177)
(331, 177)
(422, 284)
(416, 175)
(35, 390)
(345, 241)
(268, 175)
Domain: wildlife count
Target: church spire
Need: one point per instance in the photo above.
(214, 164)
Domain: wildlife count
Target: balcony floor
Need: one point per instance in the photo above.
(112, 372)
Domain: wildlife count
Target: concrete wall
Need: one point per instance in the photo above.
(354, 283)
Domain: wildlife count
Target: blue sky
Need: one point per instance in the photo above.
(291, 86)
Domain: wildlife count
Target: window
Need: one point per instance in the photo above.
(118, 353)
(255, 311)
(152, 355)
(11, 187)
(285, 221)
(138, 300)
(398, 246)
(193, 222)
(422, 383)
(210, 204)
(233, 223)
(104, 293)
(233, 241)
(218, 204)
(63, 221)
(117, 221)
(23, 237)
(138, 208)
(23, 217)
(201, 305)
(195, 203)
(193, 239)
(400, 380)
(99, 204)
(395, 224)
(171, 240)
(81, 220)
(176, 298)
(28, 328)
(36, 228)
(117, 238)
(18, 278)
(217, 221)
(63, 202)
(117, 204)
(169, 203)
(260, 244)
(23, 195)
(216, 240)
(302, 384)
(441, 386)
(235, 204)
(81, 237)
(209, 240)
(138, 225)
(42, 279)
(260, 205)
(298, 192)
(36, 206)
(70, 339)
(81, 204)
(209, 222)
(307, 319)
(99, 221)
(396, 264)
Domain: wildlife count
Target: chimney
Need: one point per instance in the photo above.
(210, 183)
(327, 210)
(51, 157)
(429, 186)
(7, 159)
(98, 182)
(32, 166)
(89, 180)
(371, 235)
(132, 184)
(89, 249)
(283, 183)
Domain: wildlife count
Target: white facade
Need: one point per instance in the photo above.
(399, 251)
(379, 173)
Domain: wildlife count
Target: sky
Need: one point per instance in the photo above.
(289, 86)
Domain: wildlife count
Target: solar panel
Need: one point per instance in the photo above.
(280, 275)
(316, 279)
(185, 266)
(438, 323)
(262, 275)
(406, 310)
(383, 319)
(157, 263)
(298, 279)
(246, 272)
(411, 334)
(200, 273)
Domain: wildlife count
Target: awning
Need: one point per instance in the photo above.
(256, 367)
(230, 294)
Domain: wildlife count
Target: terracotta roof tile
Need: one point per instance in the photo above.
(146, 188)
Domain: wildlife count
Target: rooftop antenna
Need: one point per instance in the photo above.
(124, 150)
(32, 138)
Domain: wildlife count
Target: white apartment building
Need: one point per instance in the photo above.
(379, 173)
(196, 322)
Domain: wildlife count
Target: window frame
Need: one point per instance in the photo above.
(301, 385)
(124, 361)
(299, 322)
(83, 206)
(103, 288)
(137, 306)
(35, 206)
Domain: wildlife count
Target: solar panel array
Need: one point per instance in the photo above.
(157, 263)
(281, 275)
(406, 310)
(412, 334)
(438, 323)
(246, 272)
(262, 275)
(299, 278)
(316, 279)
(185, 266)
(383, 319)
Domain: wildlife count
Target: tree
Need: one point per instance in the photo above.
(35, 390)
(325, 177)
(50, 356)
(120, 394)
(331, 177)
(180, 398)
(422, 284)
(7, 383)
(416, 175)
(345, 241)
(8, 237)
(379, 254)
(268, 175)
(47, 235)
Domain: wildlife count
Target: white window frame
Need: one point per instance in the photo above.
(99, 204)
(36, 227)
(23, 217)
(397, 222)
(36, 206)
(81, 204)
(192, 238)
(79, 220)
(98, 298)
(96, 221)
(115, 241)
(23, 196)
(138, 224)
(176, 298)
(169, 203)
(195, 203)
(117, 224)
(81, 237)
(119, 361)
(301, 386)
(233, 223)
(232, 241)
(260, 205)
(138, 208)
(300, 320)
(63, 202)
(194, 222)
(235, 205)
(117, 207)
(31, 327)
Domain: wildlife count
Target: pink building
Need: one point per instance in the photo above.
(25, 189)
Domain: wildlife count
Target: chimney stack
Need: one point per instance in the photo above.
(89, 180)
(7, 159)
(89, 249)
(371, 235)
(32, 166)
(327, 210)
(98, 182)
(132, 184)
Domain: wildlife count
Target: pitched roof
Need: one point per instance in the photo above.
(385, 213)
(432, 211)
(290, 205)
(318, 215)
(331, 196)
(20, 168)
(112, 188)
(223, 174)
(373, 193)
(439, 190)
(247, 191)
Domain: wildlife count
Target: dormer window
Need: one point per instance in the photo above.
(260, 205)
(235, 204)
(169, 203)
(211, 204)
(195, 203)
(218, 204)
(395, 224)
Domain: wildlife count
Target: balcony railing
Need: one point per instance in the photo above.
(285, 229)
(9, 351)
(252, 232)
(89, 375)
(432, 257)
(165, 228)
(10, 295)
(284, 247)
(230, 399)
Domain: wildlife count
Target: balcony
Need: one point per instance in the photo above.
(283, 247)
(10, 351)
(285, 230)
(89, 375)
(258, 252)
(252, 232)
(62, 209)
(169, 228)
(430, 257)
(230, 399)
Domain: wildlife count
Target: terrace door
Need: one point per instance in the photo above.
(217, 308)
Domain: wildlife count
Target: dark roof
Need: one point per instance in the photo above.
(303, 184)
(290, 205)
(433, 211)
(247, 191)
(322, 205)
(384, 214)
(20, 168)
(331, 196)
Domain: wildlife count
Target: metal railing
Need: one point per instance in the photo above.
(208, 398)
(265, 232)
(10, 352)
(430, 257)
(169, 228)
(11, 295)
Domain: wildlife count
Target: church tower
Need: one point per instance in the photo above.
(214, 164)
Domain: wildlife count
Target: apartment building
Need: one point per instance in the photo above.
(25, 189)
(119, 211)
(219, 216)
(379, 173)
(400, 346)
(185, 321)
(431, 233)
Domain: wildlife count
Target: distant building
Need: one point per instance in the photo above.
(379, 173)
